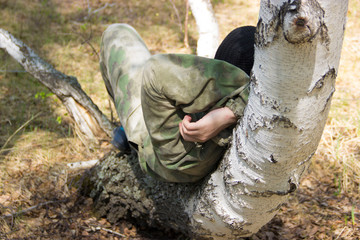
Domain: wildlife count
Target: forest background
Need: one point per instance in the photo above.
(38, 192)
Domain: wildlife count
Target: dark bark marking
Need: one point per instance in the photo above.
(239, 226)
(276, 208)
(25, 51)
(282, 121)
(270, 123)
(306, 160)
(267, 101)
(304, 27)
(253, 81)
(328, 100)
(301, 22)
(253, 122)
(324, 33)
(267, 193)
(264, 100)
(293, 187)
(272, 159)
(266, 33)
(329, 75)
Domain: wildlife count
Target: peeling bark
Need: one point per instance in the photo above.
(283, 122)
(92, 123)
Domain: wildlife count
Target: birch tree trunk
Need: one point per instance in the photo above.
(208, 28)
(91, 122)
(297, 53)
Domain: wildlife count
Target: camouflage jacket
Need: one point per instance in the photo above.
(152, 94)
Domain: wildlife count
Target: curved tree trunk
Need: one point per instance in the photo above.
(297, 53)
(92, 123)
(298, 45)
(208, 28)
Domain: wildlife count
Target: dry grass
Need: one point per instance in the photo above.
(339, 149)
(32, 167)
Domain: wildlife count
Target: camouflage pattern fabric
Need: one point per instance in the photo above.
(169, 86)
(122, 58)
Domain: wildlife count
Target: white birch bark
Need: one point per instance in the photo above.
(208, 28)
(91, 122)
(298, 46)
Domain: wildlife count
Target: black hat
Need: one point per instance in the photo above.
(238, 48)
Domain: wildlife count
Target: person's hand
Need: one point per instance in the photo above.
(208, 126)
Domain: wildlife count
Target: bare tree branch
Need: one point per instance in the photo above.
(15, 214)
(90, 120)
(177, 14)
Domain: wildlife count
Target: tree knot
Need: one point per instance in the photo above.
(302, 20)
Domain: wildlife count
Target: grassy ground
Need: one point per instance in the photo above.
(37, 137)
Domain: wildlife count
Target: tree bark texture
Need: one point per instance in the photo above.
(208, 27)
(297, 52)
(122, 191)
(92, 123)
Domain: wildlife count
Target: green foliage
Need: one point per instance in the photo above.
(353, 215)
(214, 2)
(338, 184)
(59, 119)
(84, 27)
(346, 220)
(43, 95)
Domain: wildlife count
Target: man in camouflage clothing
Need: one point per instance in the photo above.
(162, 99)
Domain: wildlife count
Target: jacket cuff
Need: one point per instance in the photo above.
(238, 103)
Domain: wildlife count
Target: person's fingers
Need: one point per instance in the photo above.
(199, 131)
(181, 129)
(207, 127)
(187, 124)
(187, 136)
(187, 118)
(193, 127)
(185, 131)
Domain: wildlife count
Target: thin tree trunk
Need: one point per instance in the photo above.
(92, 123)
(207, 27)
(186, 37)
